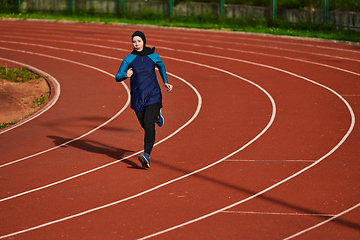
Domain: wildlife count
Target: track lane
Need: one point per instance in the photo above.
(190, 34)
(193, 35)
(304, 57)
(71, 141)
(73, 115)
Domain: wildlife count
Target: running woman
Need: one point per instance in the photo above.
(146, 97)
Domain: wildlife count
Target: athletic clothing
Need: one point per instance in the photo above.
(144, 86)
(146, 97)
(147, 119)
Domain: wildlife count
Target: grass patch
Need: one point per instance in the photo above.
(4, 125)
(17, 74)
(27, 92)
(40, 101)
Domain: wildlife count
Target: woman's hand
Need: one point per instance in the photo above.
(169, 87)
(129, 73)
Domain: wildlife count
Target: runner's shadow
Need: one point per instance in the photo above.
(96, 147)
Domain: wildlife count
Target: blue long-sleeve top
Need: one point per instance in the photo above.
(144, 86)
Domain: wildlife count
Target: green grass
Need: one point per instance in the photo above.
(21, 75)
(277, 27)
(342, 5)
(40, 101)
(4, 125)
(17, 74)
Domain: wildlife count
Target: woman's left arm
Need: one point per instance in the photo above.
(160, 65)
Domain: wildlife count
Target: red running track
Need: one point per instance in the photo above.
(260, 139)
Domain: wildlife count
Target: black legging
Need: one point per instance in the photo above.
(147, 119)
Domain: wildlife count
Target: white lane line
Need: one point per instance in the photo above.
(350, 95)
(187, 43)
(93, 130)
(323, 222)
(263, 46)
(71, 42)
(320, 64)
(125, 199)
(76, 51)
(233, 35)
(349, 129)
(67, 49)
(47, 106)
(71, 50)
(119, 160)
(281, 214)
(106, 165)
(188, 61)
(268, 55)
(267, 66)
(176, 179)
(308, 45)
(298, 59)
(264, 160)
(75, 176)
(237, 41)
(170, 49)
(236, 36)
(352, 124)
(193, 52)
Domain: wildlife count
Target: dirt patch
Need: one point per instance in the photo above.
(20, 99)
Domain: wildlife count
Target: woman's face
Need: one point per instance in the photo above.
(138, 43)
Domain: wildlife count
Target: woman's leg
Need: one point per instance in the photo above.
(147, 119)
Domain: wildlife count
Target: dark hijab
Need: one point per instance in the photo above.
(146, 50)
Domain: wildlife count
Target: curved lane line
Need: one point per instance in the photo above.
(260, 46)
(121, 159)
(310, 81)
(70, 50)
(172, 42)
(323, 222)
(244, 36)
(267, 66)
(106, 165)
(98, 168)
(47, 106)
(93, 130)
(307, 45)
(300, 60)
(171, 49)
(176, 179)
(252, 63)
(236, 35)
(310, 165)
(352, 114)
(338, 69)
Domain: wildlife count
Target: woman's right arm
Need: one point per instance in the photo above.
(120, 76)
(124, 71)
